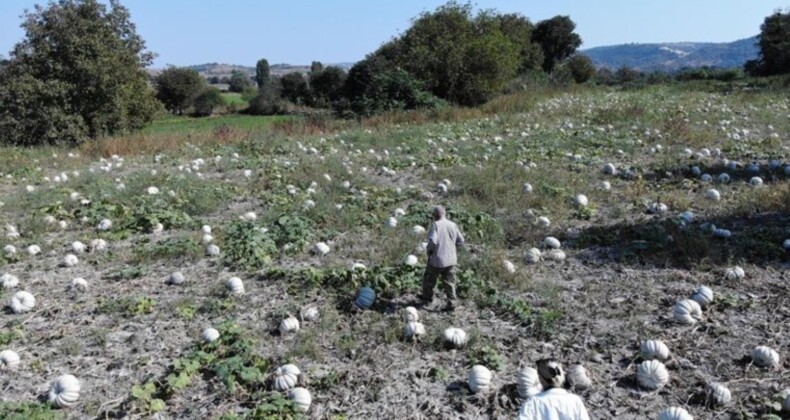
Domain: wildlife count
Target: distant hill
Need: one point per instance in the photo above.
(674, 56)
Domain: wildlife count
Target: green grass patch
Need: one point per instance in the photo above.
(190, 125)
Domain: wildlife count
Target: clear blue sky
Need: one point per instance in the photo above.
(186, 32)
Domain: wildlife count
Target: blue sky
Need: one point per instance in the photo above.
(186, 32)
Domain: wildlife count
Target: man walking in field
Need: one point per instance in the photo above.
(443, 238)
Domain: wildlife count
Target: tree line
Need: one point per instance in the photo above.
(79, 73)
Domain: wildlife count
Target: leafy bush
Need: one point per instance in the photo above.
(28, 411)
(246, 247)
(394, 90)
(294, 230)
(206, 101)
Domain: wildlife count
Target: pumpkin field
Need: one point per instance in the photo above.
(639, 237)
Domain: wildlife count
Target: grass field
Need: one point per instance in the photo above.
(510, 174)
(190, 126)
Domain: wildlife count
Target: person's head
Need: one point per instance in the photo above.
(550, 373)
(438, 213)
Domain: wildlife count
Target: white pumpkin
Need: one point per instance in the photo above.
(786, 244)
(605, 185)
(528, 382)
(609, 169)
(22, 302)
(756, 181)
(70, 260)
(455, 337)
(658, 208)
(9, 281)
(411, 260)
(580, 200)
(654, 349)
(526, 188)
(418, 230)
(479, 379)
(718, 393)
(358, 267)
(703, 295)
(555, 255)
(652, 374)
(78, 247)
(578, 378)
(687, 311)
(674, 413)
(321, 248)
(721, 233)
(289, 325)
(104, 224)
(98, 245)
(212, 250)
(724, 178)
(734, 273)
(544, 222)
(33, 250)
(414, 330)
(509, 266)
(551, 242)
(311, 314)
(79, 284)
(301, 398)
(209, 335)
(713, 195)
(9, 360)
(176, 278)
(532, 256)
(286, 377)
(64, 391)
(764, 356)
(235, 286)
(206, 229)
(392, 222)
(10, 250)
(410, 314)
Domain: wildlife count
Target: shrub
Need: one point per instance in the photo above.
(206, 101)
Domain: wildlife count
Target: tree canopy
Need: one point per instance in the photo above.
(77, 74)
(177, 88)
(262, 72)
(557, 40)
(774, 43)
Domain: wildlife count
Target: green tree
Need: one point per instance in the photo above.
(262, 72)
(326, 85)
(518, 30)
(177, 88)
(239, 82)
(316, 67)
(206, 101)
(581, 68)
(293, 87)
(774, 43)
(557, 40)
(77, 74)
(267, 101)
(459, 57)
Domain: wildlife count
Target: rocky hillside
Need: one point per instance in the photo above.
(675, 56)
